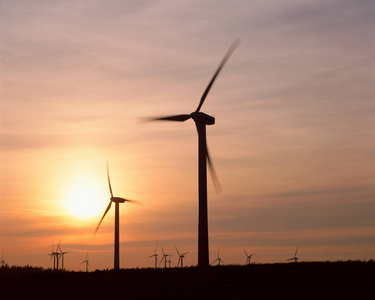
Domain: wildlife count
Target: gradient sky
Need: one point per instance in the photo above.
(293, 143)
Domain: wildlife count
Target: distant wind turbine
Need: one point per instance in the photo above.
(295, 258)
(201, 120)
(87, 262)
(2, 261)
(169, 261)
(218, 259)
(165, 256)
(62, 257)
(117, 201)
(248, 257)
(181, 258)
(156, 257)
(56, 256)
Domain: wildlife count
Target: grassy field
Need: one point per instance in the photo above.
(305, 280)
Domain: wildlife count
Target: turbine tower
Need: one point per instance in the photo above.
(295, 258)
(117, 201)
(201, 120)
(87, 262)
(156, 257)
(181, 258)
(248, 257)
(218, 259)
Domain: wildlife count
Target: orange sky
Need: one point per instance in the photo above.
(292, 145)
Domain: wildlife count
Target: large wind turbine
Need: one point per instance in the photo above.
(295, 258)
(201, 120)
(117, 201)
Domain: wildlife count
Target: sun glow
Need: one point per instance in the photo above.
(84, 198)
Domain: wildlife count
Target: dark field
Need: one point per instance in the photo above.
(305, 280)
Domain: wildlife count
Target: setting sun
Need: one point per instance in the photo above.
(84, 199)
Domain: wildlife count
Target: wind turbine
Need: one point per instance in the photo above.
(87, 262)
(248, 257)
(165, 258)
(55, 256)
(2, 261)
(169, 261)
(295, 258)
(156, 257)
(181, 258)
(218, 259)
(62, 257)
(117, 201)
(201, 120)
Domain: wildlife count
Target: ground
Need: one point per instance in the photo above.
(305, 280)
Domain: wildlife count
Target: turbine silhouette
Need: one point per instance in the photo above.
(156, 257)
(248, 257)
(117, 201)
(201, 120)
(165, 256)
(169, 261)
(2, 261)
(87, 262)
(295, 258)
(218, 259)
(62, 257)
(56, 257)
(181, 258)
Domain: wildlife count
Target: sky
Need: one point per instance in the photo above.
(293, 142)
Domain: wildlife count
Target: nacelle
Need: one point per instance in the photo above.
(203, 118)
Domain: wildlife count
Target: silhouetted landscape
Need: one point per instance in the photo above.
(305, 280)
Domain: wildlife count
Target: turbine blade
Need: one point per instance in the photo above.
(185, 253)
(58, 246)
(226, 57)
(296, 251)
(245, 252)
(109, 181)
(108, 207)
(161, 260)
(176, 118)
(214, 177)
(177, 250)
(162, 249)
